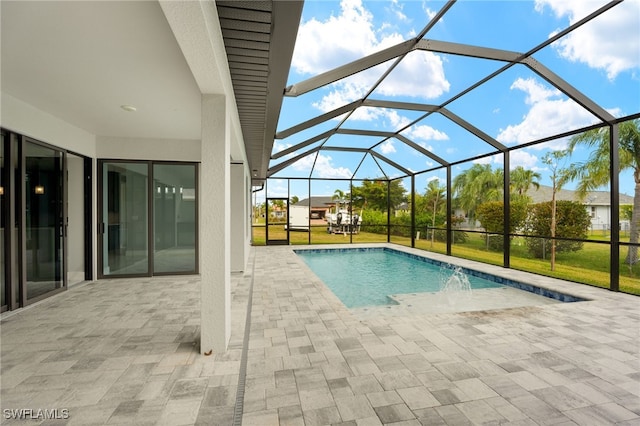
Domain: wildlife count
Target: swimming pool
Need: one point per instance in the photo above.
(368, 276)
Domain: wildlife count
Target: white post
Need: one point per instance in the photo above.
(238, 218)
(215, 202)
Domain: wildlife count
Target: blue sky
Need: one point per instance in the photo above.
(601, 59)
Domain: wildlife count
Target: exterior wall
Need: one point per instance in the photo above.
(148, 149)
(600, 217)
(239, 217)
(30, 121)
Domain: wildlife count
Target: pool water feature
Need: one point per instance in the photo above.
(365, 277)
(454, 285)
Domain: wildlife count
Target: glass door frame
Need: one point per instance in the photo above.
(102, 226)
(14, 211)
(23, 284)
(102, 220)
(152, 247)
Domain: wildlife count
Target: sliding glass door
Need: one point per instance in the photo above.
(174, 219)
(125, 237)
(39, 187)
(43, 219)
(148, 216)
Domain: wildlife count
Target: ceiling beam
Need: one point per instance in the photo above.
(391, 163)
(275, 169)
(303, 144)
(319, 119)
(349, 69)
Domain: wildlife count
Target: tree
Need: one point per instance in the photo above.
(595, 171)
(559, 177)
(338, 195)
(491, 217)
(572, 222)
(373, 193)
(277, 209)
(477, 185)
(295, 199)
(521, 180)
(434, 197)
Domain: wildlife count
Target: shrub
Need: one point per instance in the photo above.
(572, 221)
(491, 217)
(374, 221)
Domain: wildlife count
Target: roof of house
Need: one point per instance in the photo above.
(592, 198)
(318, 201)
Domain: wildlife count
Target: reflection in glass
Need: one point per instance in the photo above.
(174, 224)
(44, 219)
(125, 247)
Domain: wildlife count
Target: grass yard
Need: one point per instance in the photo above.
(589, 265)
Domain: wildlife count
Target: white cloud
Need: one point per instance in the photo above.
(610, 42)
(547, 116)
(419, 75)
(396, 8)
(278, 188)
(321, 46)
(387, 147)
(489, 160)
(351, 35)
(396, 120)
(535, 91)
(425, 133)
(323, 167)
(517, 158)
(279, 146)
(428, 11)
(425, 146)
(522, 158)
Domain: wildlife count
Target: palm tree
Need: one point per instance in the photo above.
(338, 196)
(521, 180)
(295, 199)
(595, 172)
(477, 185)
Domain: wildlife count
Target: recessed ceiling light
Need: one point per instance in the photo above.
(129, 108)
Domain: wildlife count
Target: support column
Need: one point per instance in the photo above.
(238, 218)
(215, 208)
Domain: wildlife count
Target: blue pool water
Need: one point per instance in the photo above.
(365, 277)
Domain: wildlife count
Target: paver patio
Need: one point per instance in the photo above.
(126, 352)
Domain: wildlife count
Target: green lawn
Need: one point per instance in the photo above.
(589, 265)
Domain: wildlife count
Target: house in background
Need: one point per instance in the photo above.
(319, 206)
(597, 203)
